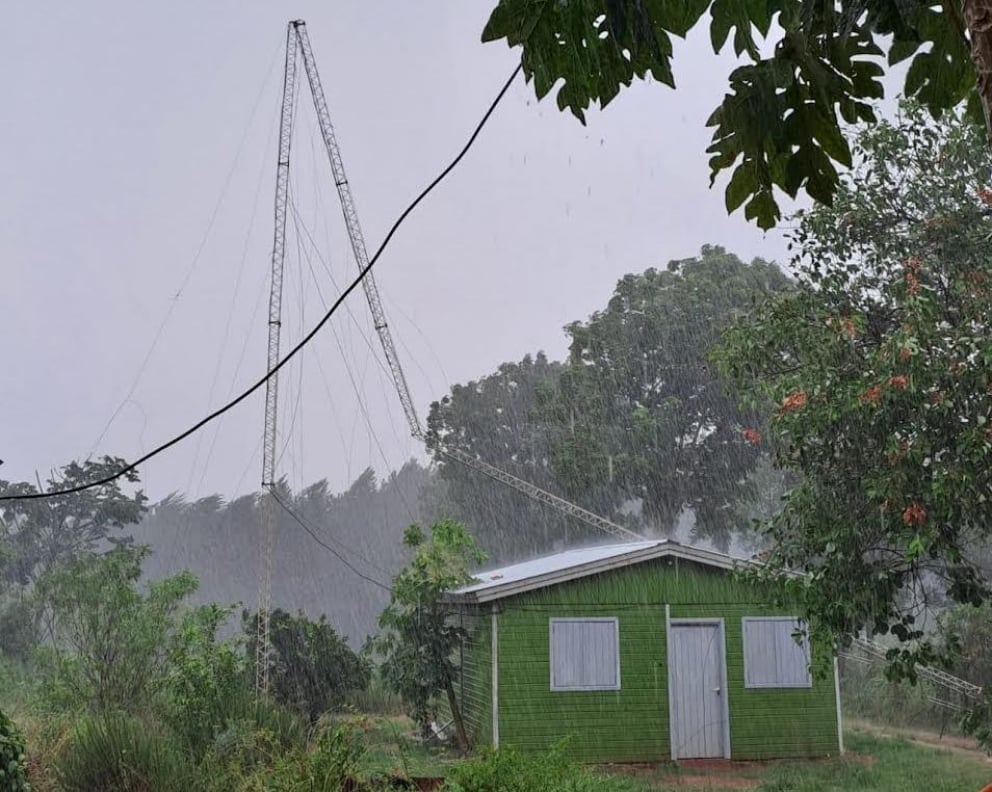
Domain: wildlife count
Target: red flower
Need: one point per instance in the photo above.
(905, 353)
(913, 264)
(794, 401)
(984, 195)
(753, 436)
(900, 381)
(913, 283)
(914, 514)
(872, 395)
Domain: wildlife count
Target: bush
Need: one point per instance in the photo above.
(115, 753)
(335, 758)
(111, 630)
(312, 669)
(207, 686)
(866, 692)
(506, 770)
(13, 777)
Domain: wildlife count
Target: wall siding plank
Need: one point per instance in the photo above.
(631, 724)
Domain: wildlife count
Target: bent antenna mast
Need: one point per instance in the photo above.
(382, 326)
(297, 44)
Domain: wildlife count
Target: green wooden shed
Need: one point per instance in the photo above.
(641, 652)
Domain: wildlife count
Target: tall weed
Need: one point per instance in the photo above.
(117, 753)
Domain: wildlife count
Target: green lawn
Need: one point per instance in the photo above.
(872, 764)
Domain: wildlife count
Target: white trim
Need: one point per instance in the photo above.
(840, 717)
(495, 679)
(668, 662)
(725, 693)
(778, 685)
(494, 590)
(551, 644)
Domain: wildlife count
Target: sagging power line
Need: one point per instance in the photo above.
(234, 402)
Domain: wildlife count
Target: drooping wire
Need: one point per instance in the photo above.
(305, 340)
(242, 266)
(193, 264)
(313, 535)
(301, 225)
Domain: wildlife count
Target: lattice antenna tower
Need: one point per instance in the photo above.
(357, 239)
(298, 44)
(268, 511)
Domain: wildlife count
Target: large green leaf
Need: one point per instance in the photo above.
(781, 117)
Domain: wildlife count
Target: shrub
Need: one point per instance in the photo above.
(112, 632)
(115, 753)
(335, 758)
(13, 777)
(312, 669)
(207, 685)
(506, 770)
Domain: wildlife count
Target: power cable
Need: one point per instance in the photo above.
(374, 437)
(313, 535)
(305, 340)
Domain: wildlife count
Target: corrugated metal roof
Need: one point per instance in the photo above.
(572, 564)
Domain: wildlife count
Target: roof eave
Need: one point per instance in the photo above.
(663, 550)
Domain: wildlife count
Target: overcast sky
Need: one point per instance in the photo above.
(136, 133)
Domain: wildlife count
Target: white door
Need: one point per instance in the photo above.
(695, 690)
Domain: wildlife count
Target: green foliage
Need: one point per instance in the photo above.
(336, 757)
(18, 626)
(13, 775)
(495, 418)
(636, 414)
(509, 771)
(640, 413)
(972, 628)
(110, 639)
(779, 125)
(312, 668)
(116, 753)
(41, 535)
(419, 635)
(879, 366)
(207, 684)
(868, 694)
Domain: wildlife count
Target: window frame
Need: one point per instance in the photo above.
(555, 688)
(748, 684)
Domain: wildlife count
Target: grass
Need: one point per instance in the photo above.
(872, 764)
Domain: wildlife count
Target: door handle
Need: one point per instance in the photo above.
(716, 690)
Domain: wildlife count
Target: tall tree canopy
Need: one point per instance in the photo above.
(880, 367)
(639, 413)
(635, 417)
(495, 419)
(779, 125)
(41, 535)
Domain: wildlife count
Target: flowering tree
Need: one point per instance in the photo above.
(878, 370)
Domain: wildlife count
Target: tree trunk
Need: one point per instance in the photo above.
(456, 714)
(978, 22)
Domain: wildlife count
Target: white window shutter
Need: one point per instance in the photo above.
(772, 656)
(585, 654)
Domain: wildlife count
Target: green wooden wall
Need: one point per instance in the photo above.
(631, 724)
